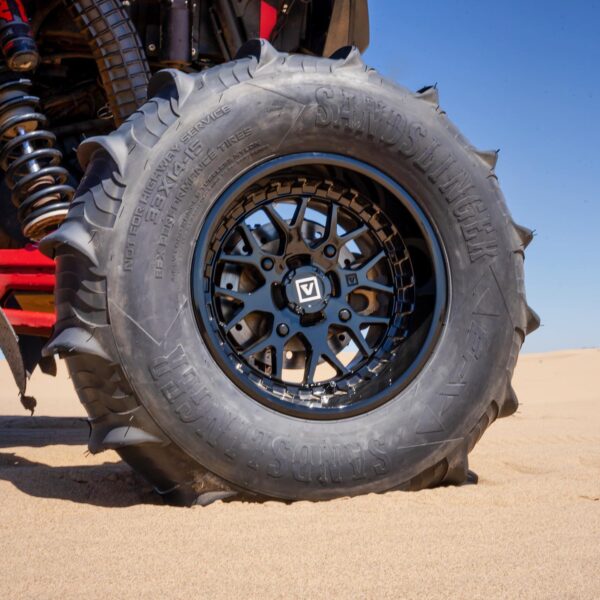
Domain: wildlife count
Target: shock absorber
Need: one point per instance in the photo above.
(32, 165)
(33, 173)
(18, 45)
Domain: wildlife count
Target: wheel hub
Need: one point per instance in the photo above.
(307, 290)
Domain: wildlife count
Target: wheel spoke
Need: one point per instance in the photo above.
(258, 300)
(277, 353)
(364, 281)
(257, 346)
(291, 233)
(255, 252)
(317, 347)
(312, 361)
(331, 236)
(261, 345)
(277, 346)
(366, 267)
(352, 235)
(358, 338)
(375, 285)
(238, 318)
(335, 362)
(241, 259)
(331, 225)
(373, 320)
(224, 292)
(249, 238)
(275, 218)
(300, 212)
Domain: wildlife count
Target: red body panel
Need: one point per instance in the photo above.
(268, 19)
(27, 270)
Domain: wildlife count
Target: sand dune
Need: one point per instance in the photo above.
(74, 525)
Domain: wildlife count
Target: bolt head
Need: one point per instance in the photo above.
(344, 314)
(267, 264)
(282, 329)
(330, 251)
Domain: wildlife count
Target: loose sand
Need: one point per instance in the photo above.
(74, 525)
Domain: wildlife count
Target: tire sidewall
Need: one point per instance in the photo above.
(216, 139)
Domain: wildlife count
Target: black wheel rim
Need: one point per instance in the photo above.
(319, 285)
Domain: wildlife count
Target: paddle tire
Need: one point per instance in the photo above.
(164, 211)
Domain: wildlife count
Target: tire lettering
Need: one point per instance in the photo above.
(256, 443)
(362, 115)
(329, 467)
(174, 374)
(325, 109)
(356, 459)
(378, 450)
(281, 450)
(301, 465)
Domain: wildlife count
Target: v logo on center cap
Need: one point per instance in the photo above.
(307, 289)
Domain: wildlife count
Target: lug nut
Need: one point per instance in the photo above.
(330, 251)
(282, 329)
(345, 314)
(267, 264)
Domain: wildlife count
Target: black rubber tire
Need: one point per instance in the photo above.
(126, 327)
(117, 50)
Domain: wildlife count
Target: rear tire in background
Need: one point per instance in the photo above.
(180, 274)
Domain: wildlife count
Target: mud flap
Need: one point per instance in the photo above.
(9, 345)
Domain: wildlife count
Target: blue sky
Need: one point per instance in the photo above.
(523, 77)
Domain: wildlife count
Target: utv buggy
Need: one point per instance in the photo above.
(275, 273)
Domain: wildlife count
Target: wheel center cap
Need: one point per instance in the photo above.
(307, 289)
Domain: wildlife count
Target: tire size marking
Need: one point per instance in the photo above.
(182, 192)
(365, 117)
(164, 177)
(202, 191)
